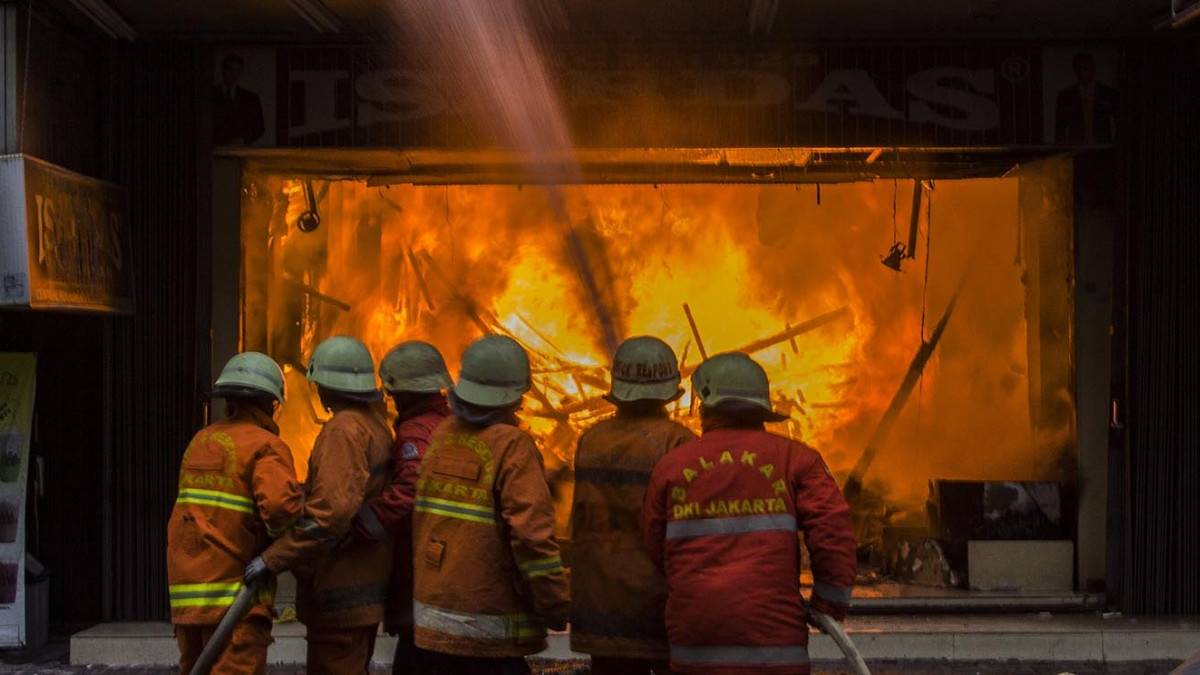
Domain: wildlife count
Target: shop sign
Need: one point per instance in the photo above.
(65, 239)
(953, 96)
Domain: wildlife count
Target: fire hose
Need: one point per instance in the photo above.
(841, 639)
(216, 643)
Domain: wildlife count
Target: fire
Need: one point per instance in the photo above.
(449, 263)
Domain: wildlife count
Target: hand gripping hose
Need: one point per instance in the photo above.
(835, 631)
(216, 643)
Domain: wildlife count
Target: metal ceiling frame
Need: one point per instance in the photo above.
(638, 165)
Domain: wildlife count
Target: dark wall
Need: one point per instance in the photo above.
(1162, 318)
(62, 109)
(160, 354)
(125, 113)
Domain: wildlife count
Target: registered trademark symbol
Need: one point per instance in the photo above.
(1015, 69)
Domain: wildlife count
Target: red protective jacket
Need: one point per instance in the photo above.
(390, 514)
(720, 518)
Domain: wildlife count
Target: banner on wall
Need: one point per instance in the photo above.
(18, 373)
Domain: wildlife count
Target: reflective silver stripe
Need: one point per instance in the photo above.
(836, 594)
(679, 529)
(371, 522)
(729, 654)
(462, 624)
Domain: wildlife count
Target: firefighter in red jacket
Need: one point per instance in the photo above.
(720, 518)
(413, 374)
(488, 578)
(237, 491)
(617, 594)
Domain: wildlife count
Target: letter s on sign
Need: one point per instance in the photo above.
(933, 86)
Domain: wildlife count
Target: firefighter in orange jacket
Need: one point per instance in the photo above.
(488, 577)
(237, 490)
(617, 594)
(721, 517)
(340, 592)
(414, 374)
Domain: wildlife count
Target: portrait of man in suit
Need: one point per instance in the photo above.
(237, 112)
(1085, 112)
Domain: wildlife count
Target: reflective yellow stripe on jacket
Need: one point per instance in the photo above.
(541, 567)
(455, 509)
(219, 594)
(221, 500)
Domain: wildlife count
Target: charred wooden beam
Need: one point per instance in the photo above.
(313, 293)
(695, 332)
(854, 481)
(421, 283)
(791, 333)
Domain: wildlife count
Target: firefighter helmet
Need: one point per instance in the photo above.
(733, 377)
(495, 372)
(250, 374)
(645, 368)
(414, 366)
(343, 364)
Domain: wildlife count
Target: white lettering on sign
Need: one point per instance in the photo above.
(958, 93)
(934, 86)
(320, 101)
(954, 98)
(853, 90)
(395, 95)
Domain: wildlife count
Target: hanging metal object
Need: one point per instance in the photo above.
(914, 223)
(310, 219)
(897, 253)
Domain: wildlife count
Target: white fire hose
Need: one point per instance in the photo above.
(835, 631)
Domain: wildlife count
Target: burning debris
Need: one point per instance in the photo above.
(447, 264)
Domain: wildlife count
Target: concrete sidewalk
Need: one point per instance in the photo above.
(1035, 638)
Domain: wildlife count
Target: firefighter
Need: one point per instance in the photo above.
(617, 594)
(340, 592)
(237, 490)
(488, 577)
(721, 517)
(414, 374)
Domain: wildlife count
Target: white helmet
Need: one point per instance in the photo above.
(343, 364)
(645, 368)
(495, 372)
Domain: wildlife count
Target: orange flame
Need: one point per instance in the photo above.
(447, 264)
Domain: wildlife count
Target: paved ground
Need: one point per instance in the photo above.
(53, 660)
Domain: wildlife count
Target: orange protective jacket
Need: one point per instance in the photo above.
(487, 570)
(617, 593)
(339, 588)
(237, 490)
